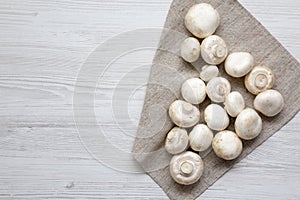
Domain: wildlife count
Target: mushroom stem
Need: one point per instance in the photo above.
(219, 51)
(186, 168)
(221, 90)
(261, 81)
(187, 108)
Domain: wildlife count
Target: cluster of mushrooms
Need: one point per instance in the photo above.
(186, 166)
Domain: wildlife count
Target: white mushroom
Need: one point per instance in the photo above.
(186, 168)
(269, 103)
(200, 137)
(217, 89)
(227, 145)
(177, 141)
(234, 103)
(259, 79)
(213, 50)
(184, 114)
(216, 117)
(193, 90)
(238, 64)
(248, 124)
(202, 20)
(190, 49)
(209, 72)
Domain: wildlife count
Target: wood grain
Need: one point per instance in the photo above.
(43, 45)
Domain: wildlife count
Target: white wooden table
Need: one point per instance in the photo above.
(44, 44)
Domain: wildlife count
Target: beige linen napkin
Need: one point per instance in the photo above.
(242, 32)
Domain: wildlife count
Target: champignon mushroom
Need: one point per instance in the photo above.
(209, 72)
(234, 103)
(248, 124)
(269, 103)
(217, 89)
(227, 145)
(190, 49)
(177, 141)
(259, 79)
(184, 114)
(200, 137)
(186, 168)
(238, 64)
(216, 117)
(202, 20)
(193, 90)
(213, 50)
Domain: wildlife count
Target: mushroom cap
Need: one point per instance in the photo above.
(190, 49)
(216, 117)
(214, 50)
(193, 90)
(186, 168)
(184, 114)
(177, 140)
(269, 103)
(200, 137)
(238, 64)
(217, 89)
(202, 20)
(259, 79)
(209, 72)
(248, 124)
(234, 103)
(227, 145)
